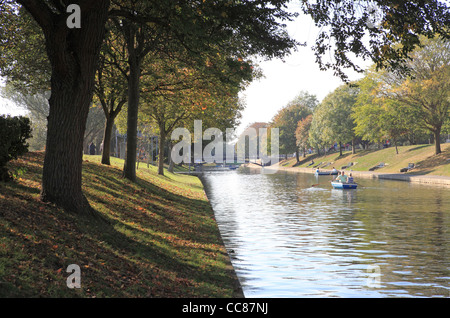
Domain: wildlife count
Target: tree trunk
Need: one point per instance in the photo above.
(73, 54)
(353, 146)
(437, 141)
(133, 108)
(171, 163)
(340, 149)
(297, 155)
(109, 124)
(162, 138)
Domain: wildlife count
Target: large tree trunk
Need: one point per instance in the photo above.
(129, 170)
(109, 124)
(73, 54)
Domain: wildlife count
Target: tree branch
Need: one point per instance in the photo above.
(40, 12)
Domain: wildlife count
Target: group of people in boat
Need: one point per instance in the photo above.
(344, 178)
(341, 176)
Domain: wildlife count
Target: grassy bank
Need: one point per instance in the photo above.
(161, 238)
(421, 155)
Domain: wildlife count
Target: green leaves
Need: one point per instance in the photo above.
(370, 30)
(14, 131)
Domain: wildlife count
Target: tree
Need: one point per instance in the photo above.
(427, 88)
(316, 130)
(202, 29)
(23, 58)
(371, 30)
(334, 113)
(367, 111)
(235, 26)
(249, 141)
(302, 133)
(185, 94)
(287, 118)
(377, 117)
(73, 55)
(111, 85)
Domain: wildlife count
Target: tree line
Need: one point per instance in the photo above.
(382, 106)
(175, 57)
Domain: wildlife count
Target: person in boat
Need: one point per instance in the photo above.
(341, 177)
(350, 179)
(334, 170)
(317, 170)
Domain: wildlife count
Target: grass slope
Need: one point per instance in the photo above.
(421, 155)
(161, 238)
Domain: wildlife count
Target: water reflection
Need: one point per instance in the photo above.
(290, 239)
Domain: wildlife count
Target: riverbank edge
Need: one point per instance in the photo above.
(423, 179)
(238, 291)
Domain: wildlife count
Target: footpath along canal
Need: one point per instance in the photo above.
(288, 238)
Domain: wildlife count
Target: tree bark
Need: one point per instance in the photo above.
(73, 54)
(162, 138)
(437, 141)
(133, 108)
(109, 124)
(169, 155)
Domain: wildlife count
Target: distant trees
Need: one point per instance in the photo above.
(334, 116)
(391, 105)
(287, 118)
(302, 133)
(386, 105)
(378, 118)
(426, 91)
(249, 140)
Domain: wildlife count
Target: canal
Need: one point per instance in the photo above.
(292, 235)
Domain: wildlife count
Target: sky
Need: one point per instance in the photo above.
(281, 83)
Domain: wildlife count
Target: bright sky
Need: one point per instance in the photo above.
(285, 80)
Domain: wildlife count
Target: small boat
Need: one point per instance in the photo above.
(340, 185)
(325, 173)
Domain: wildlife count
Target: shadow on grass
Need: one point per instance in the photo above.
(155, 244)
(418, 147)
(430, 164)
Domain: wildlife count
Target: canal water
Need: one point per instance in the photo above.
(292, 235)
